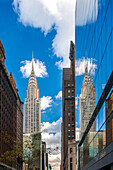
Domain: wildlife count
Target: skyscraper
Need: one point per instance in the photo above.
(32, 105)
(87, 102)
(68, 161)
(93, 38)
(87, 106)
(19, 122)
(11, 118)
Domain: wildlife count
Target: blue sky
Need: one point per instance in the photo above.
(44, 28)
(19, 42)
(94, 36)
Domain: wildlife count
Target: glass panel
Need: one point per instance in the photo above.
(93, 43)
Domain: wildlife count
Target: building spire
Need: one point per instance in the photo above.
(32, 79)
(32, 62)
(86, 67)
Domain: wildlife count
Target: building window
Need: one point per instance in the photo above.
(72, 102)
(72, 91)
(68, 130)
(68, 125)
(71, 164)
(68, 96)
(72, 107)
(72, 113)
(72, 136)
(68, 91)
(69, 119)
(68, 85)
(72, 96)
(68, 107)
(71, 150)
(68, 114)
(72, 85)
(72, 125)
(72, 119)
(72, 130)
(68, 102)
(68, 136)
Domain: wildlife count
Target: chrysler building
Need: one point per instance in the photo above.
(87, 102)
(32, 105)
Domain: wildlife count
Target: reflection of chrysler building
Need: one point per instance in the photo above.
(87, 102)
(32, 105)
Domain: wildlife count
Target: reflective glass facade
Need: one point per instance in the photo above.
(94, 43)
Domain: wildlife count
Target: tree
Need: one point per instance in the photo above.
(29, 151)
(32, 150)
(10, 156)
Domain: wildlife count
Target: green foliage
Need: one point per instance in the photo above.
(28, 151)
(10, 156)
(32, 149)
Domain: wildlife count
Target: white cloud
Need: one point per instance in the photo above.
(39, 68)
(51, 134)
(103, 86)
(81, 64)
(59, 95)
(55, 161)
(46, 102)
(89, 12)
(15, 4)
(77, 134)
(77, 101)
(45, 14)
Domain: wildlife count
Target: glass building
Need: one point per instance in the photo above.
(93, 49)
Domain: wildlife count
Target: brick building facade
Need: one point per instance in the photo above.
(68, 117)
(8, 110)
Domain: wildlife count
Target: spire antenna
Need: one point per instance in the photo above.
(32, 62)
(86, 67)
(32, 55)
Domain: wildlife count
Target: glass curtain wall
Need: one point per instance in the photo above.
(93, 50)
